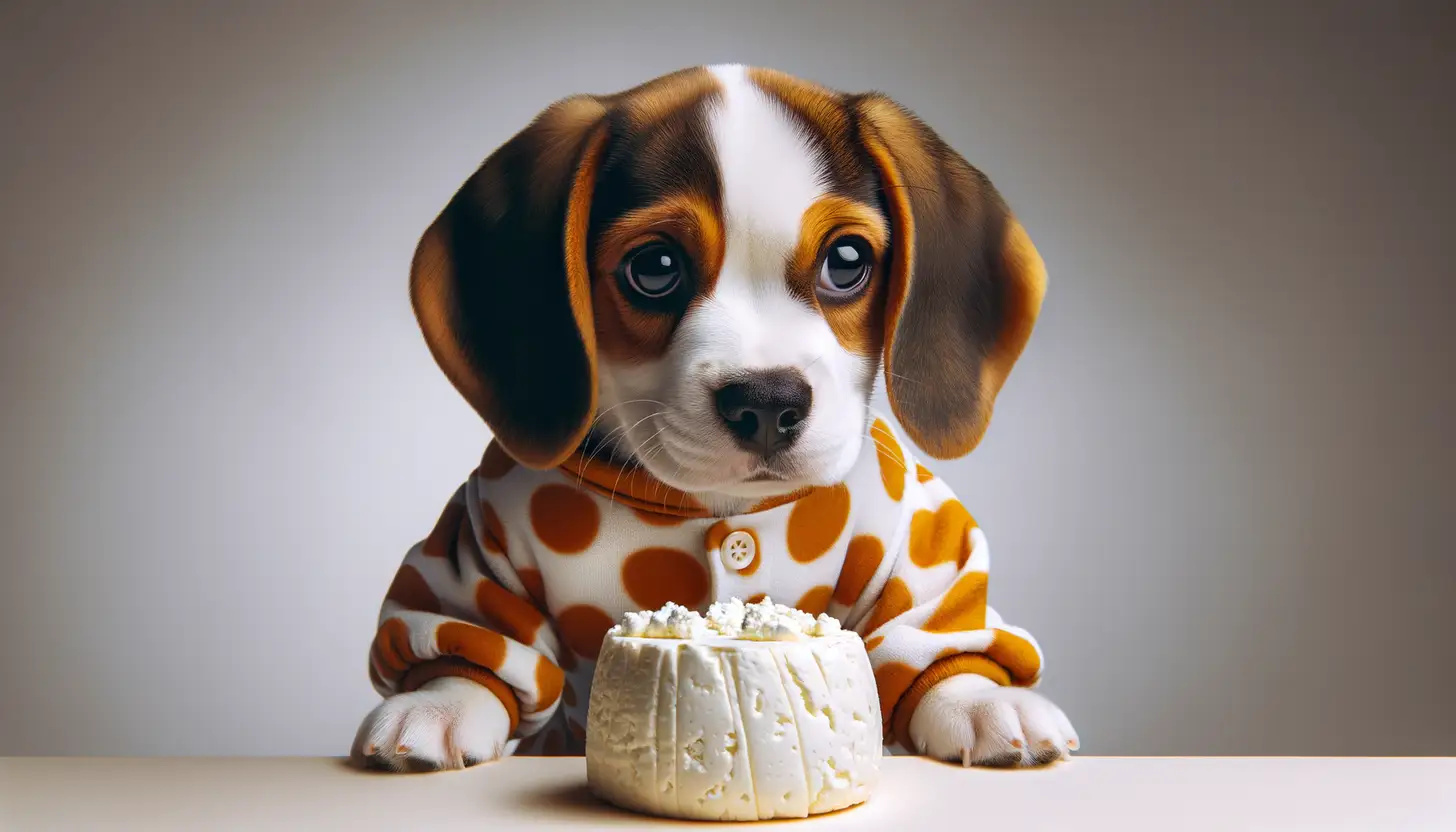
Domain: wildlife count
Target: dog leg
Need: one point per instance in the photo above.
(974, 721)
(449, 723)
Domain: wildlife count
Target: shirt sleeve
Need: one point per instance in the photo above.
(457, 607)
(931, 620)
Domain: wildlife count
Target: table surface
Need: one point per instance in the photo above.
(550, 793)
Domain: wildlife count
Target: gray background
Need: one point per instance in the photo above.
(1220, 484)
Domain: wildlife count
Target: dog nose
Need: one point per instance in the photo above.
(766, 410)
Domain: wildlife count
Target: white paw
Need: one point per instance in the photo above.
(448, 723)
(972, 720)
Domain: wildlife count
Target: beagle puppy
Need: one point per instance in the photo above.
(670, 305)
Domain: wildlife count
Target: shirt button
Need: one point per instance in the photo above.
(738, 550)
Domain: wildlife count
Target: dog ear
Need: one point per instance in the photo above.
(966, 284)
(501, 288)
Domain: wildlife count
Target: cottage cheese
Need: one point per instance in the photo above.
(751, 712)
(763, 621)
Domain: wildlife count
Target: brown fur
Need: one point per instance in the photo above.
(515, 283)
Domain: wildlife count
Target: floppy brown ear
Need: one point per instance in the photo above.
(500, 285)
(966, 284)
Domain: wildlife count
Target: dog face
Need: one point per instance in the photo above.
(707, 271)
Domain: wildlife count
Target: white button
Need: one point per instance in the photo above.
(738, 550)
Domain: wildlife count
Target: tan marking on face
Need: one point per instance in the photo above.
(822, 112)
(818, 106)
(626, 332)
(667, 96)
(902, 261)
(829, 218)
(857, 322)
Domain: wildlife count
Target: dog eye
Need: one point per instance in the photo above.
(846, 266)
(654, 270)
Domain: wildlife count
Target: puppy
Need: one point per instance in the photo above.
(670, 306)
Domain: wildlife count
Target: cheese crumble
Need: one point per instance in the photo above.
(762, 621)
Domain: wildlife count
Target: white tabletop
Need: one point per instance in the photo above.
(551, 793)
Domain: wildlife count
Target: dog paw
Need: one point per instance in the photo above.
(973, 721)
(449, 723)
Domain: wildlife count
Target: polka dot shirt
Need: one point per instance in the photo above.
(525, 571)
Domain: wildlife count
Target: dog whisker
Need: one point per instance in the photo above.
(603, 414)
(882, 445)
(646, 453)
(625, 430)
(902, 377)
(634, 462)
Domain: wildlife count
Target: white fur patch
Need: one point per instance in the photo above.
(450, 722)
(971, 720)
(770, 176)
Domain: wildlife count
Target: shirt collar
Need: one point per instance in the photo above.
(633, 486)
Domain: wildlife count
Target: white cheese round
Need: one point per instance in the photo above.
(757, 711)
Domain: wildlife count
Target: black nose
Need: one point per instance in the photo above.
(766, 409)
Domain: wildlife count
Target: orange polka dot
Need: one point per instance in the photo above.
(963, 607)
(894, 600)
(582, 629)
(493, 536)
(476, 645)
(874, 642)
(768, 503)
(391, 653)
(716, 534)
(752, 566)
(861, 562)
(568, 695)
(756, 598)
(922, 474)
(1016, 655)
(507, 612)
(891, 457)
(496, 463)
(410, 591)
(942, 536)
(442, 537)
(719, 531)
(535, 586)
(815, 600)
(816, 521)
(652, 518)
(549, 681)
(893, 679)
(564, 518)
(576, 730)
(654, 576)
(555, 744)
(566, 658)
